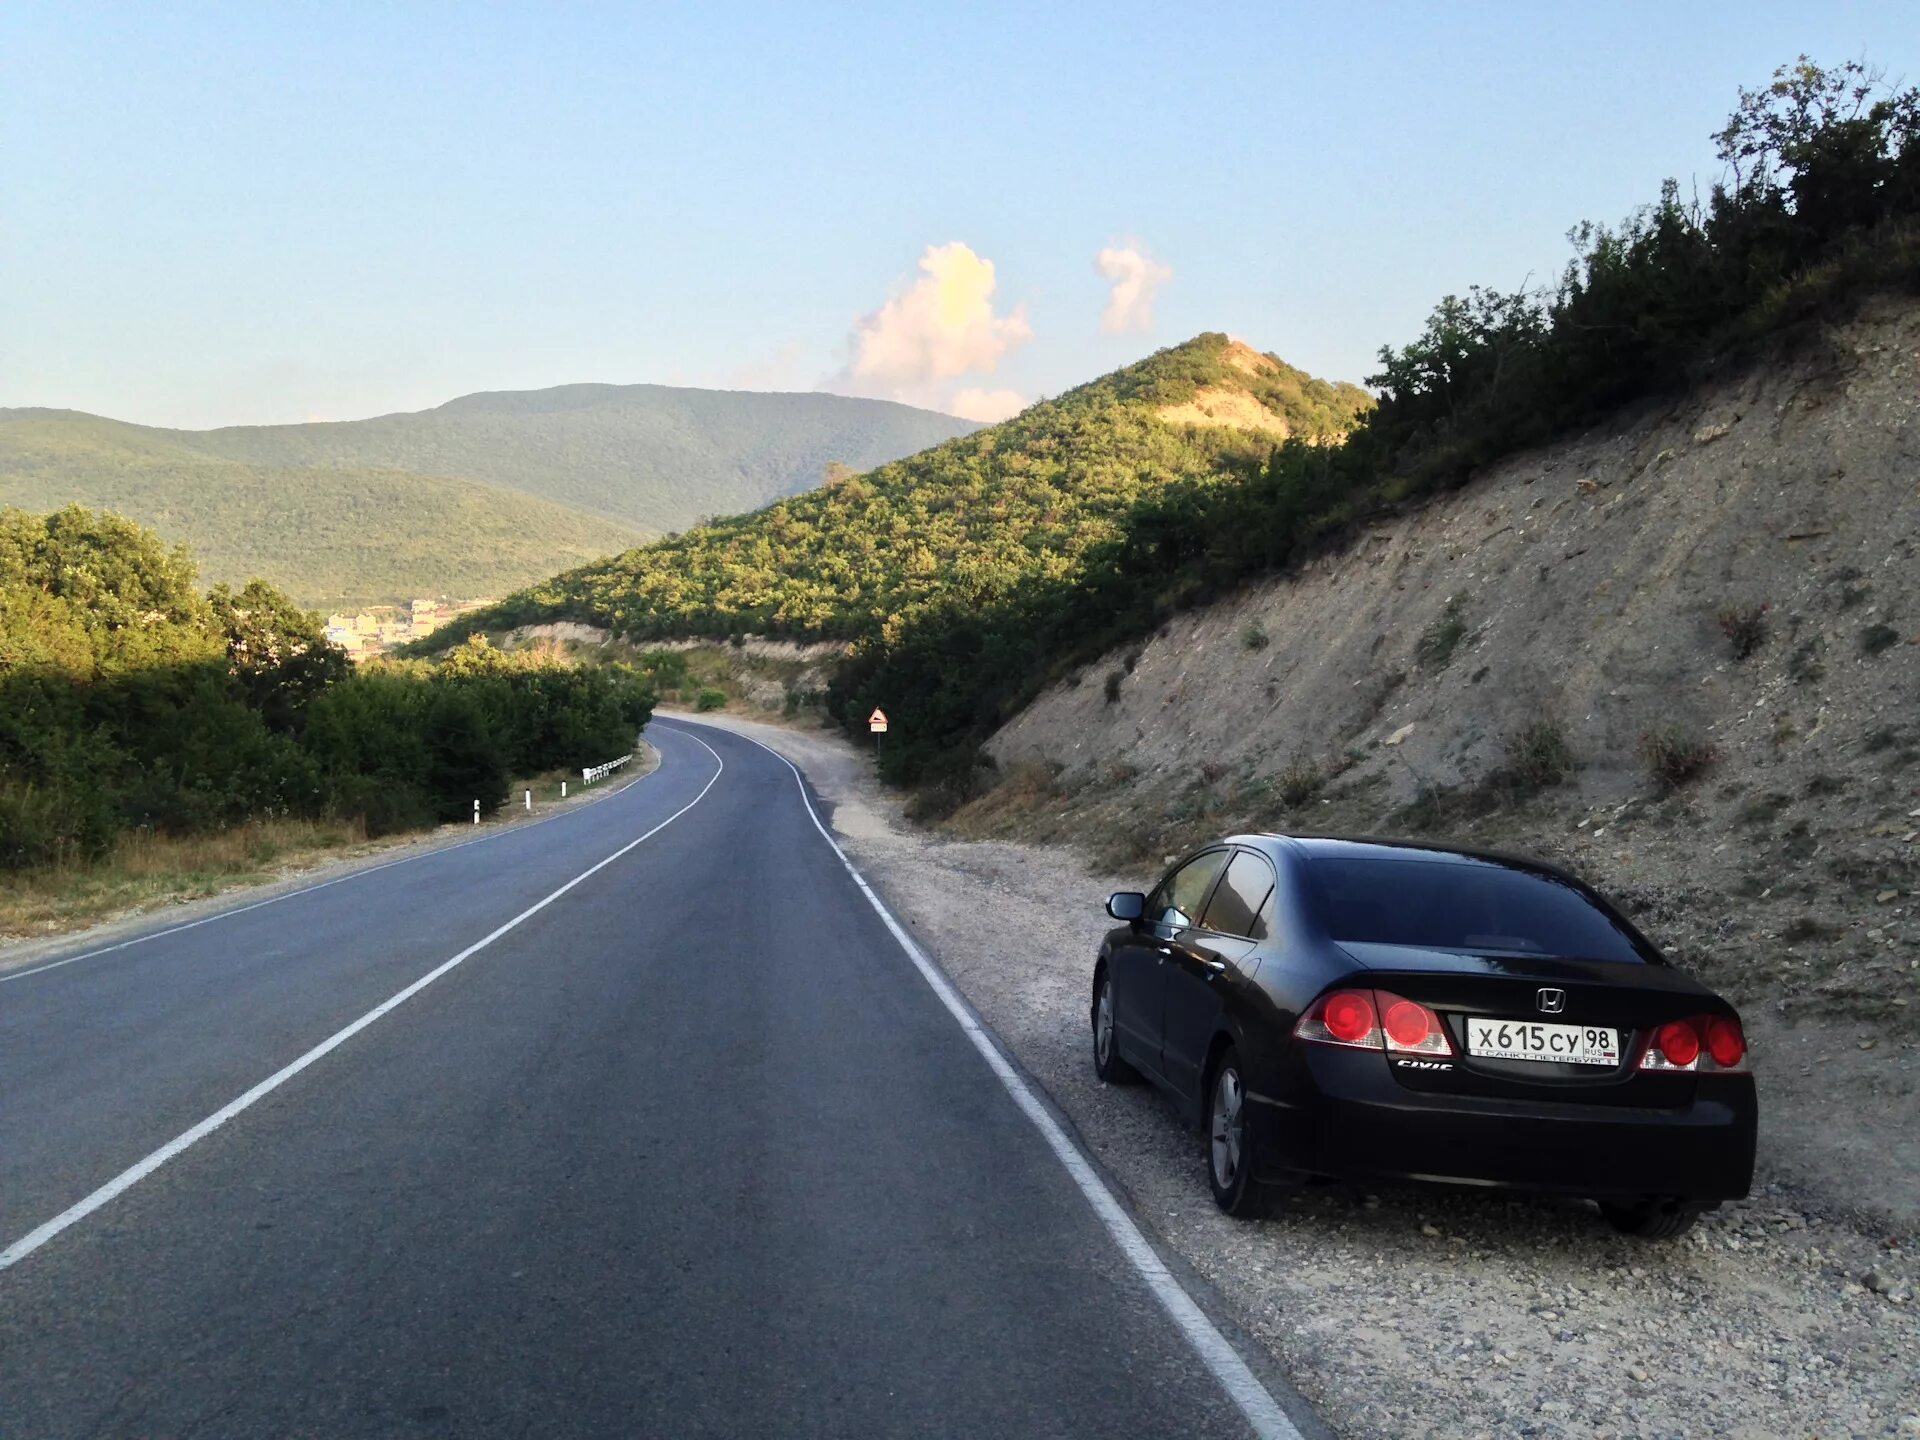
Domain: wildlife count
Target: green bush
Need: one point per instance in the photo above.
(711, 700)
(466, 763)
(126, 699)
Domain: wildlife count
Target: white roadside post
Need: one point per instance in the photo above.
(476, 812)
(529, 802)
(563, 789)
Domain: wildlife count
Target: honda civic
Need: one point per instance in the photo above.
(1384, 1011)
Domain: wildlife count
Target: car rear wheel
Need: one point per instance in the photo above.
(1652, 1219)
(1230, 1160)
(1107, 1063)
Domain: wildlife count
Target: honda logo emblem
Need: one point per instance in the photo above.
(1552, 1002)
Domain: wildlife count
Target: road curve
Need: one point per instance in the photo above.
(688, 1148)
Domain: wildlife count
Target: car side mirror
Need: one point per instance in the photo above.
(1126, 905)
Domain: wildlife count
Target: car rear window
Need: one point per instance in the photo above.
(1442, 905)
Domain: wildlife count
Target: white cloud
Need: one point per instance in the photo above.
(940, 327)
(986, 406)
(1135, 279)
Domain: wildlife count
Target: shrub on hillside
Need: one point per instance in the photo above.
(1538, 755)
(1674, 756)
(1441, 638)
(1300, 783)
(1745, 627)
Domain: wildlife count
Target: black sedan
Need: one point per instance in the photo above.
(1384, 1011)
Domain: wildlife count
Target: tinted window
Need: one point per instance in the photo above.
(1471, 907)
(1235, 907)
(1178, 901)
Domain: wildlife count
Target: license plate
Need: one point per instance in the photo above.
(1532, 1040)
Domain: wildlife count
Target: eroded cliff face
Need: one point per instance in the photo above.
(1586, 583)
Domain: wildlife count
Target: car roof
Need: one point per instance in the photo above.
(1368, 847)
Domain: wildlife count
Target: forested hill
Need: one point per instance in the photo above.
(653, 456)
(974, 516)
(474, 498)
(333, 538)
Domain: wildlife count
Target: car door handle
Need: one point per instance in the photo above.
(1216, 966)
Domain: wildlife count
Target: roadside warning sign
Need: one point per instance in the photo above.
(877, 722)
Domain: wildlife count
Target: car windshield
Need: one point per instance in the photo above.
(1446, 905)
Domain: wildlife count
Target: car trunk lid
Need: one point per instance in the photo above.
(1631, 999)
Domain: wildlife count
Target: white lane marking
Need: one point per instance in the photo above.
(1243, 1387)
(303, 890)
(134, 1174)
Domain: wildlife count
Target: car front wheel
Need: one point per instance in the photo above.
(1230, 1160)
(1107, 1063)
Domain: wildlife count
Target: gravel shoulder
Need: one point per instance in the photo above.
(1426, 1312)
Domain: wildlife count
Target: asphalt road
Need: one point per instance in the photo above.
(692, 1150)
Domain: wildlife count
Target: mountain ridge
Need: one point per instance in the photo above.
(539, 480)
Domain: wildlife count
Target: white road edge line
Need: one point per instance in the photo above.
(134, 1174)
(295, 894)
(1216, 1352)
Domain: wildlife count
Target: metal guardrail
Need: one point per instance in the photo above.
(591, 773)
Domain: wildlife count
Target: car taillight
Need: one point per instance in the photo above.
(1374, 1020)
(1345, 1017)
(1726, 1042)
(1678, 1043)
(1411, 1028)
(1701, 1043)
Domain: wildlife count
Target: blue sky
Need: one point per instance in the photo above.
(249, 213)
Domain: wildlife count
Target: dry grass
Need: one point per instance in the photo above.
(1015, 808)
(146, 869)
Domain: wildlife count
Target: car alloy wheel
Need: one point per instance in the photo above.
(1107, 1063)
(1103, 1025)
(1228, 1138)
(1231, 1162)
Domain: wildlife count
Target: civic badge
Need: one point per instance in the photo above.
(1552, 1001)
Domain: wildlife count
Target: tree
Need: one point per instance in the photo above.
(277, 653)
(464, 761)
